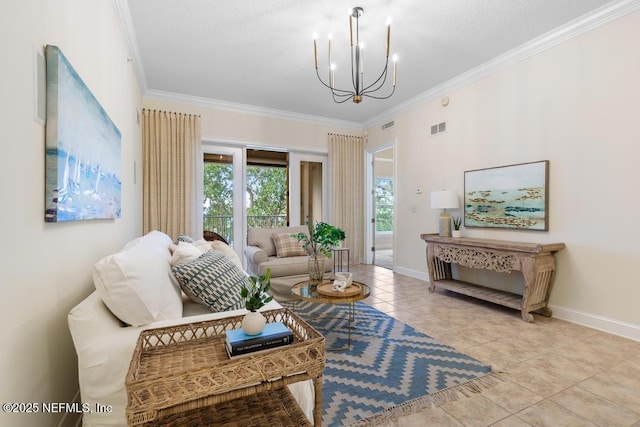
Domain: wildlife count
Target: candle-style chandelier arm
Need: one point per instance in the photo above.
(393, 89)
(347, 95)
(381, 97)
(382, 76)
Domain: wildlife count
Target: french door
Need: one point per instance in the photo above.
(228, 186)
(222, 188)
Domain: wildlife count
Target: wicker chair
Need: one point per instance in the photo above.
(212, 235)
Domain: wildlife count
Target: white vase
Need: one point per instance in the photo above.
(253, 323)
(456, 233)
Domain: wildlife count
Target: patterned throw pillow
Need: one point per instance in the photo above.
(184, 238)
(287, 246)
(212, 280)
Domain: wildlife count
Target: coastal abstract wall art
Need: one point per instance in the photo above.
(82, 149)
(514, 196)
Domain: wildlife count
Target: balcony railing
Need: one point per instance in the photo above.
(223, 224)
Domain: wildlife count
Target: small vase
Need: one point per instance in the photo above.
(253, 323)
(316, 269)
(456, 233)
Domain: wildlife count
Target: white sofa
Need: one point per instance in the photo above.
(104, 343)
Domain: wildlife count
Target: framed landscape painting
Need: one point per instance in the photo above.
(514, 196)
(82, 149)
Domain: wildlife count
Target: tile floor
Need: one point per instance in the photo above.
(556, 373)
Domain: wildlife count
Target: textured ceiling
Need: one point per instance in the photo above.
(260, 53)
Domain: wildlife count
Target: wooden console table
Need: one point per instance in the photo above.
(535, 260)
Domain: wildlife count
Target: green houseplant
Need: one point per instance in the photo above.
(255, 297)
(457, 223)
(321, 238)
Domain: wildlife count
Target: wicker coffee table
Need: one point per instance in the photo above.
(305, 291)
(182, 375)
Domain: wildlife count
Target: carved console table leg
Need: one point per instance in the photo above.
(538, 275)
(528, 271)
(438, 269)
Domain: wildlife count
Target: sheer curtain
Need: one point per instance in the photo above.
(171, 147)
(346, 177)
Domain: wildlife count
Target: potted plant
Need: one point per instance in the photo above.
(339, 235)
(255, 297)
(321, 238)
(457, 223)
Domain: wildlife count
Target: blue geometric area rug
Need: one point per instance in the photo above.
(390, 370)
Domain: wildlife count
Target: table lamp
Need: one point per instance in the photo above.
(444, 199)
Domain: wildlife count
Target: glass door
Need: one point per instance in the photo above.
(222, 208)
(308, 179)
(383, 200)
(267, 189)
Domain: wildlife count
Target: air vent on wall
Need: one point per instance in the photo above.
(438, 128)
(388, 125)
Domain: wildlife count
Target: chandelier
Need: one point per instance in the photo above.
(359, 90)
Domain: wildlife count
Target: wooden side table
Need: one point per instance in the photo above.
(185, 370)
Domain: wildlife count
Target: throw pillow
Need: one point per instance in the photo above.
(227, 251)
(136, 283)
(184, 238)
(287, 246)
(183, 253)
(203, 245)
(212, 280)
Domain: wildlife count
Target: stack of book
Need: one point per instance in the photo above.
(273, 335)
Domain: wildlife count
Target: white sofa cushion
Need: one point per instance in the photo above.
(228, 252)
(183, 253)
(136, 283)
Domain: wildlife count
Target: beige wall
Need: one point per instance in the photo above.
(46, 268)
(576, 105)
(244, 128)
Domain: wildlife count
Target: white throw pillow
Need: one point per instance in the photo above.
(136, 283)
(203, 245)
(183, 253)
(228, 252)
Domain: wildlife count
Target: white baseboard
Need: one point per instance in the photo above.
(412, 273)
(601, 323)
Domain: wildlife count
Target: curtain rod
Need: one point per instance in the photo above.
(171, 112)
(348, 136)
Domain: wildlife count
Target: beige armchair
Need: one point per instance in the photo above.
(286, 271)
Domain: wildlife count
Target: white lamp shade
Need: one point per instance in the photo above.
(444, 199)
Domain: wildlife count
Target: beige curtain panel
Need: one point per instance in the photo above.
(346, 178)
(171, 147)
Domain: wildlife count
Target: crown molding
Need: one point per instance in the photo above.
(247, 109)
(578, 26)
(590, 21)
